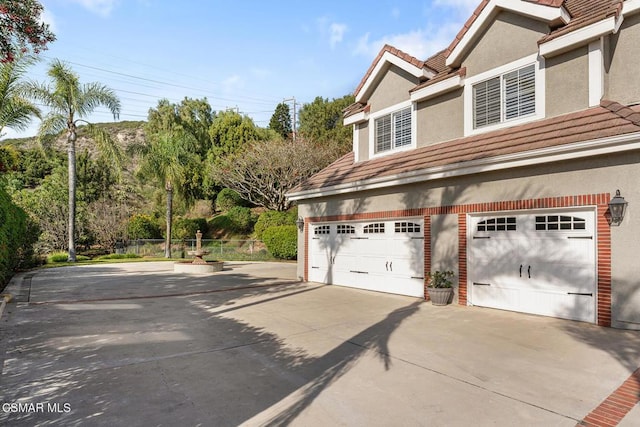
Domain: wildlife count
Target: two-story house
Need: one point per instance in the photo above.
(496, 158)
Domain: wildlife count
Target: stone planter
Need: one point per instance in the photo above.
(440, 296)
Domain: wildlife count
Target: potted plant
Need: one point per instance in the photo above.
(440, 287)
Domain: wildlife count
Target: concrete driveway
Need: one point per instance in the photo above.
(136, 344)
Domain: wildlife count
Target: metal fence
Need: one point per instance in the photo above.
(229, 250)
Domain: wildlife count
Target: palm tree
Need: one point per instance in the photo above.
(166, 159)
(69, 103)
(16, 110)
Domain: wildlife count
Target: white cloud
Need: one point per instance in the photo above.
(333, 31)
(48, 18)
(100, 7)
(336, 33)
(395, 13)
(419, 43)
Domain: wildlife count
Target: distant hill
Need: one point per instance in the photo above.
(125, 132)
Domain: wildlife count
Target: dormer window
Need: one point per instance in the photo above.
(509, 95)
(393, 131)
(506, 97)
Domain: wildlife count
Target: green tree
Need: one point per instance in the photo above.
(48, 206)
(281, 120)
(69, 102)
(322, 122)
(194, 117)
(16, 110)
(21, 28)
(230, 132)
(167, 159)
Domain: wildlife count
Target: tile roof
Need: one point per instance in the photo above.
(394, 51)
(582, 12)
(608, 120)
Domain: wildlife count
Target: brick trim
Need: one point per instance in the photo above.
(617, 405)
(462, 258)
(427, 251)
(603, 241)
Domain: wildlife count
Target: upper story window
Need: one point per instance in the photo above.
(509, 95)
(505, 97)
(393, 131)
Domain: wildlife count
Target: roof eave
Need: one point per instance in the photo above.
(381, 66)
(618, 143)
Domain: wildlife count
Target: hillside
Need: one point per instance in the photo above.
(125, 132)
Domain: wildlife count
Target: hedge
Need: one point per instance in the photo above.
(227, 199)
(18, 233)
(282, 241)
(143, 227)
(274, 218)
(186, 228)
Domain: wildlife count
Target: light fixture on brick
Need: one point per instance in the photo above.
(617, 208)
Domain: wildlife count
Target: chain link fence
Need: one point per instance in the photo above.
(228, 250)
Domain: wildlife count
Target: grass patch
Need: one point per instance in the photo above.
(60, 257)
(118, 256)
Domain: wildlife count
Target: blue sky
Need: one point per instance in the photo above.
(245, 54)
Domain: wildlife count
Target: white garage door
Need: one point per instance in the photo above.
(540, 263)
(386, 256)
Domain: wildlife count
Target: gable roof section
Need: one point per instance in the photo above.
(391, 55)
(549, 11)
(478, 153)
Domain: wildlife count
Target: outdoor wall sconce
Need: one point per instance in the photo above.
(300, 224)
(617, 208)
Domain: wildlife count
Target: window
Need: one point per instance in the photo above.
(506, 97)
(374, 228)
(407, 227)
(498, 224)
(322, 229)
(393, 131)
(345, 229)
(560, 222)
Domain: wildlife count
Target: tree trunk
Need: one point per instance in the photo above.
(167, 245)
(71, 151)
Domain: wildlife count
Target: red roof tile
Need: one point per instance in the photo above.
(583, 13)
(609, 119)
(395, 51)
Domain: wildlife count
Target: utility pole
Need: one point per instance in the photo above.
(293, 99)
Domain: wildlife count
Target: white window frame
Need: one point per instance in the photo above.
(539, 70)
(385, 112)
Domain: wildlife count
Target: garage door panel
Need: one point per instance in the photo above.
(386, 256)
(544, 264)
(558, 304)
(493, 296)
(406, 268)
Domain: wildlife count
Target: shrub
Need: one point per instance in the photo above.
(228, 199)
(119, 256)
(241, 219)
(18, 233)
(57, 257)
(282, 241)
(143, 227)
(274, 218)
(186, 228)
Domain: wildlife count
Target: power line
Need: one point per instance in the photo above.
(131, 76)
